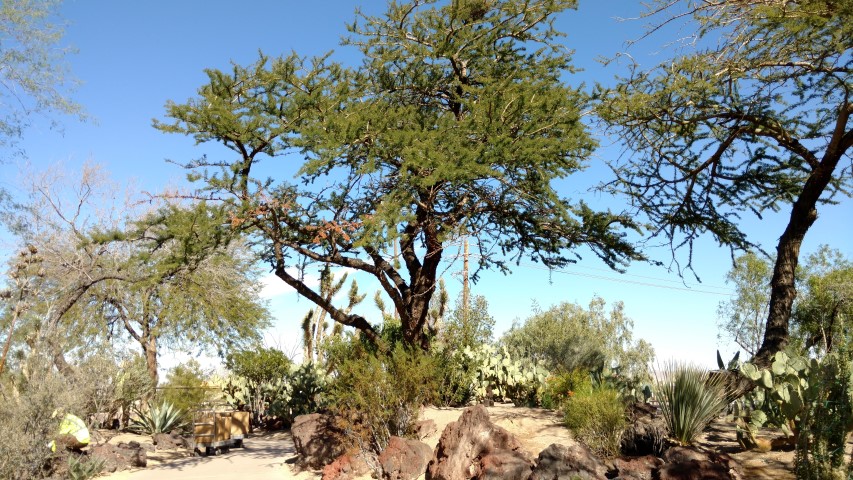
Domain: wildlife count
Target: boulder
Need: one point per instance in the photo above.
(345, 467)
(685, 463)
(169, 441)
(504, 465)
(316, 440)
(404, 458)
(425, 428)
(470, 439)
(119, 457)
(575, 461)
(646, 432)
(637, 468)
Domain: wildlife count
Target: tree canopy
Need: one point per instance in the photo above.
(456, 122)
(754, 119)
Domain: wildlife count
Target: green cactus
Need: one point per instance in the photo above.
(508, 378)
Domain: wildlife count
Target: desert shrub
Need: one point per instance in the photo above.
(33, 404)
(597, 417)
(378, 395)
(690, 398)
(157, 418)
(185, 387)
(558, 388)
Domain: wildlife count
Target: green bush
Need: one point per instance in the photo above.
(375, 396)
(185, 387)
(307, 387)
(158, 418)
(690, 398)
(560, 387)
(597, 417)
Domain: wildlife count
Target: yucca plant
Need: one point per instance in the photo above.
(162, 418)
(690, 398)
(84, 467)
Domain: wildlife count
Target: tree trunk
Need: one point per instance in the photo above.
(149, 348)
(782, 287)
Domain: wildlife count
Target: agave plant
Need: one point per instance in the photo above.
(162, 418)
(690, 398)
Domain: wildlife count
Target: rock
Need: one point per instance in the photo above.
(425, 428)
(576, 462)
(404, 458)
(504, 465)
(637, 468)
(317, 441)
(646, 433)
(169, 441)
(685, 463)
(345, 467)
(120, 457)
(467, 441)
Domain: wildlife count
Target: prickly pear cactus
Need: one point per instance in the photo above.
(508, 378)
(780, 398)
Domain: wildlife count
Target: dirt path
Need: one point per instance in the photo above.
(263, 457)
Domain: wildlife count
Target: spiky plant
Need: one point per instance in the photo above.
(690, 398)
(162, 418)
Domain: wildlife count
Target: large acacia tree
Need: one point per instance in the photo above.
(755, 119)
(456, 122)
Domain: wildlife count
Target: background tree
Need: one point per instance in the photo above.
(823, 314)
(33, 74)
(755, 119)
(190, 288)
(567, 337)
(742, 317)
(457, 120)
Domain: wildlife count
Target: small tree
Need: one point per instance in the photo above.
(262, 369)
(742, 318)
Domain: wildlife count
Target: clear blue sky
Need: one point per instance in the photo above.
(134, 56)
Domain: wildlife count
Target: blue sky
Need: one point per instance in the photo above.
(134, 56)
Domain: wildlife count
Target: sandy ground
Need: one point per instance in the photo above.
(271, 455)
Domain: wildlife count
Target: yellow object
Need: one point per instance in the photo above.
(73, 425)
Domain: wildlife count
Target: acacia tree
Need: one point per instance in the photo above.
(757, 121)
(456, 121)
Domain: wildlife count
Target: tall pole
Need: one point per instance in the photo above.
(465, 287)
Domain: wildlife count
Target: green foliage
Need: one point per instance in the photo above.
(824, 308)
(783, 393)
(743, 316)
(307, 388)
(498, 373)
(376, 396)
(157, 418)
(32, 67)
(261, 380)
(689, 399)
(185, 387)
(826, 423)
(560, 387)
(567, 337)
(747, 120)
(34, 402)
(467, 327)
(596, 415)
(84, 467)
(445, 114)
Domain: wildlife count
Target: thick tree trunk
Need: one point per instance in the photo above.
(782, 286)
